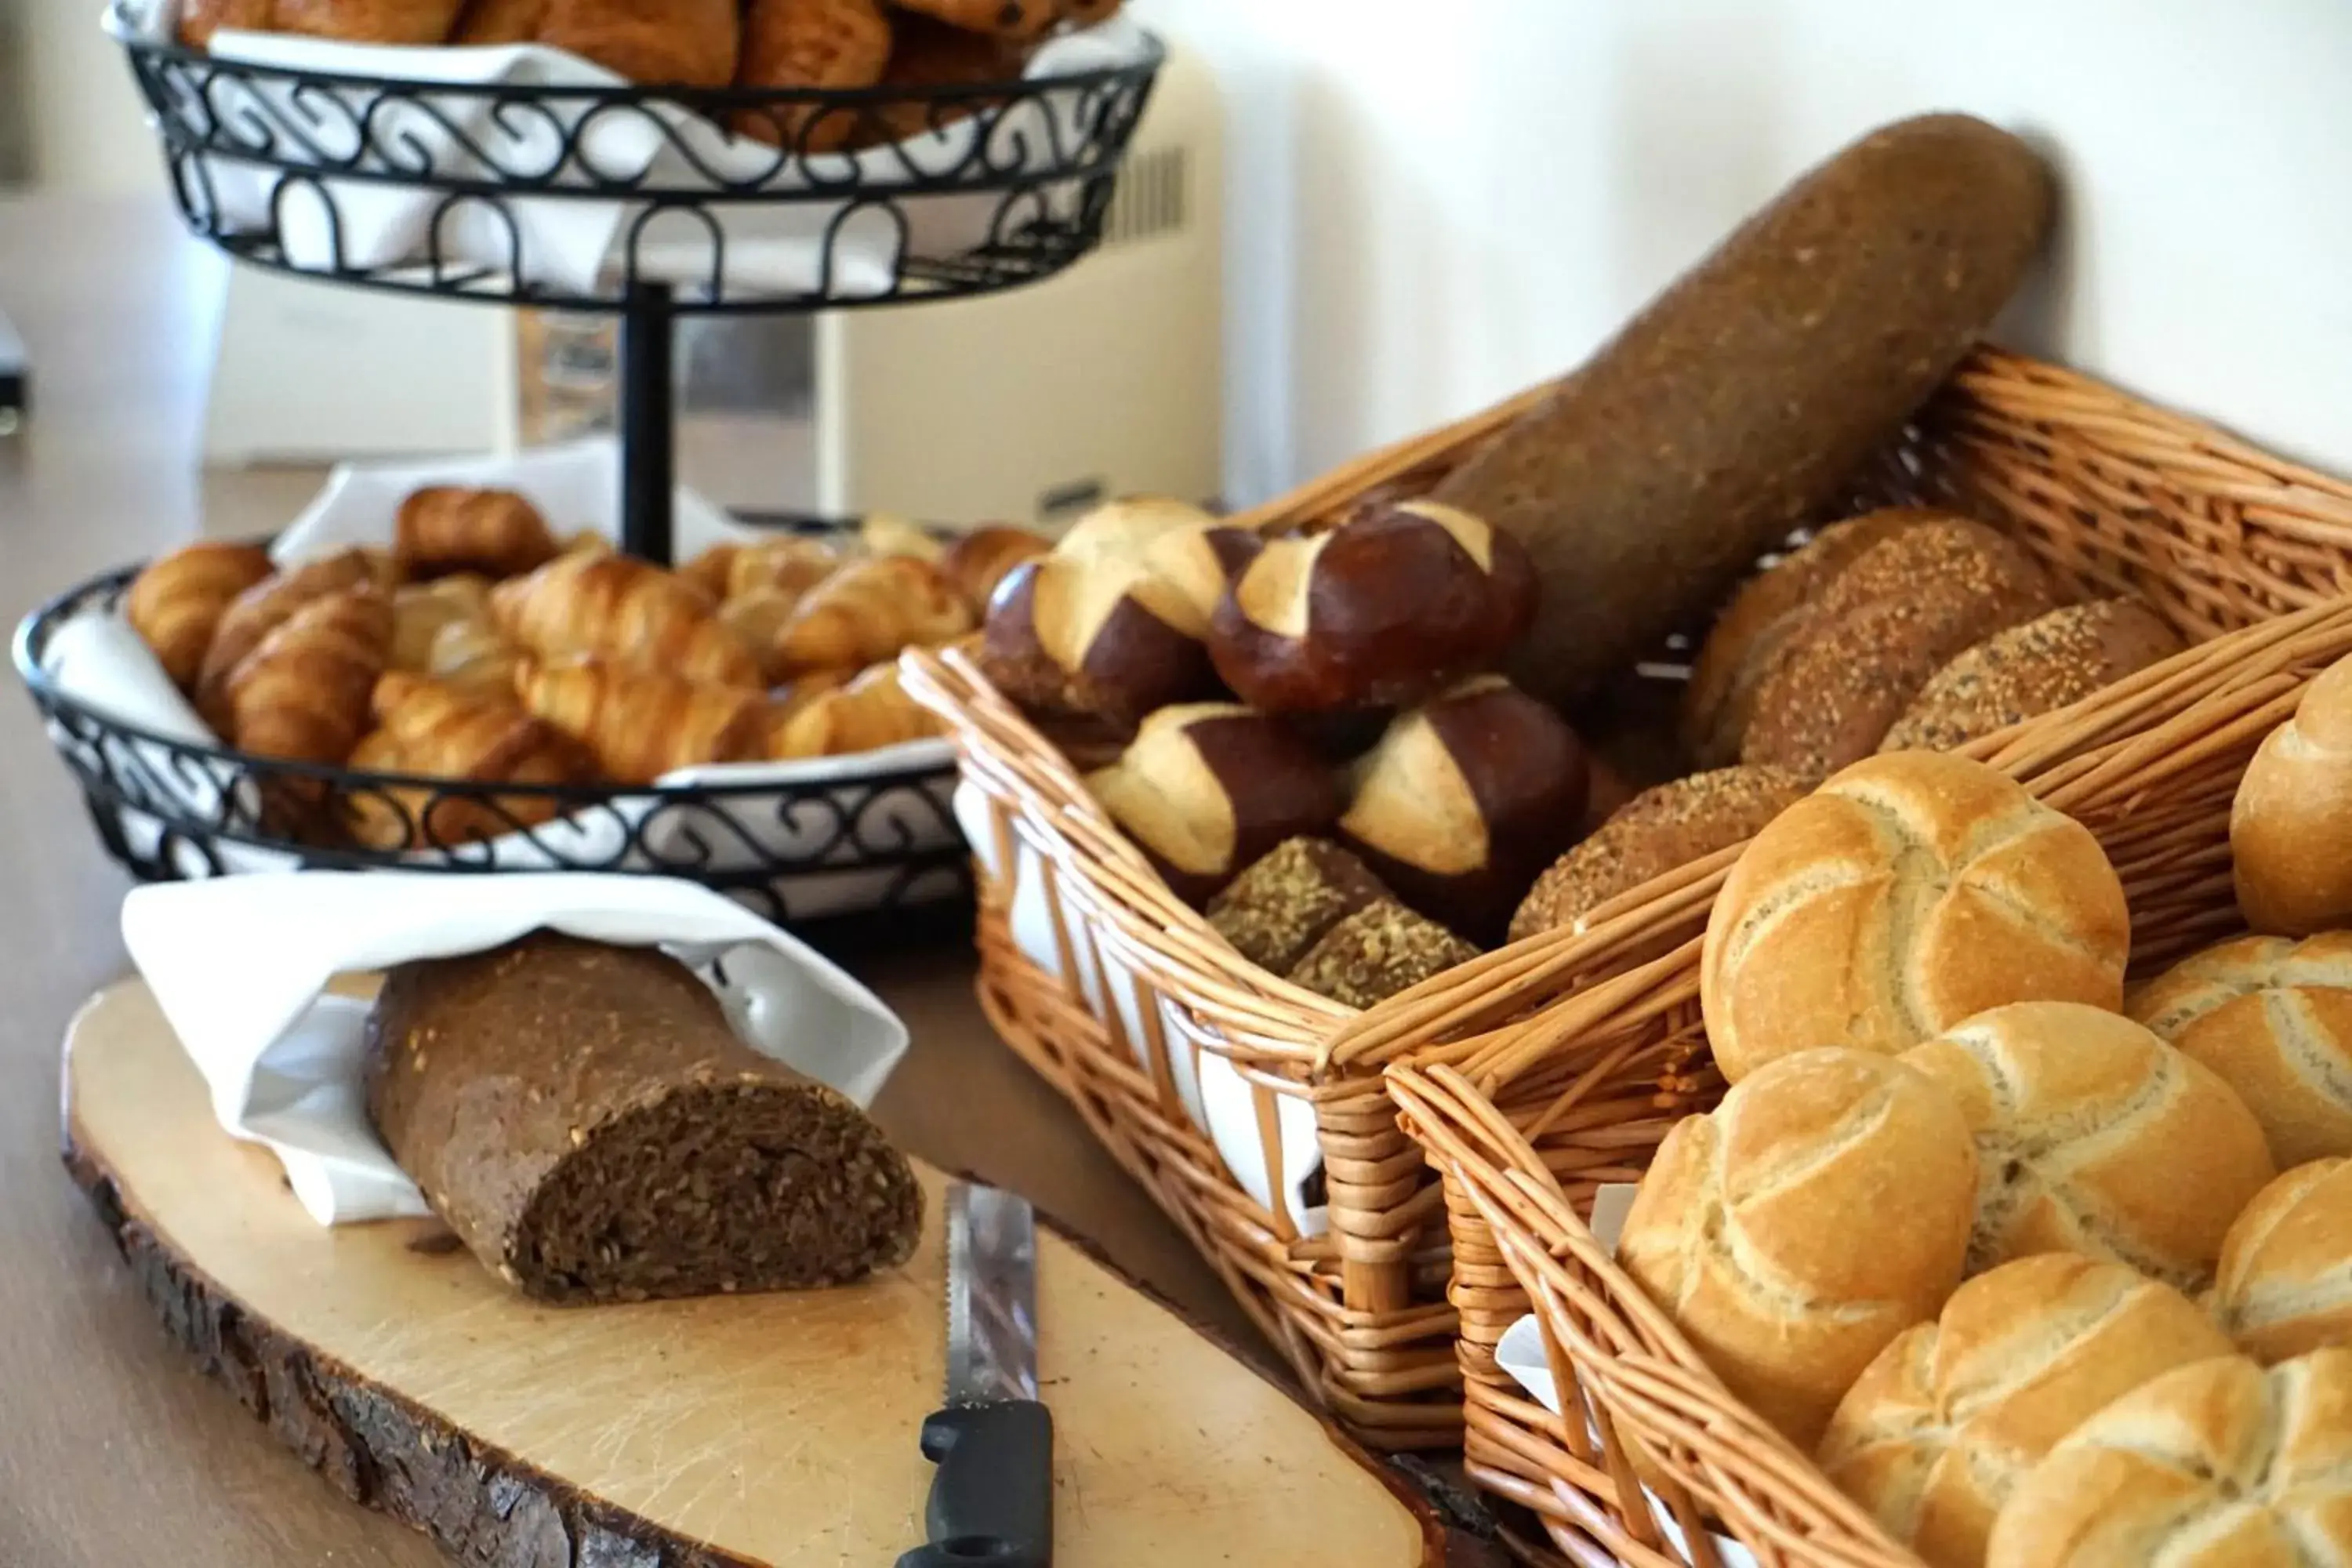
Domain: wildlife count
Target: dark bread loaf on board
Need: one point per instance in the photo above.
(1746, 397)
(587, 1123)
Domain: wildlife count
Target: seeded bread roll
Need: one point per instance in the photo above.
(2284, 1284)
(1721, 696)
(1938, 1430)
(2032, 669)
(1882, 626)
(1747, 1227)
(2291, 825)
(1909, 893)
(2215, 1465)
(2098, 1138)
(1286, 900)
(1377, 951)
(1660, 828)
(1745, 398)
(2273, 1017)
(586, 1121)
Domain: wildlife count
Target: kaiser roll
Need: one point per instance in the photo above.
(2273, 1017)
(2284, 1286)
(2291, 826)
(1909, 892)
(1939, 1429)
(1821, 1210)
(2218, 1463)
(2094, 1136)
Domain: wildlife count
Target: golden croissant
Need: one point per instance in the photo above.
(176, 604)
(420, 610)
(867, 611)
(474, 654)
(870, 713)
(444, 731)
(303, 694)
(261, 609)
(451, 528)
(640, 723)
(617, 609)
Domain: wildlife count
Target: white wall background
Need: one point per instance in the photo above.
(1432, 206)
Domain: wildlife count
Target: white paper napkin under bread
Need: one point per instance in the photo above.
(240, 966)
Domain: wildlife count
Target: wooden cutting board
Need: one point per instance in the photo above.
(767, 1430)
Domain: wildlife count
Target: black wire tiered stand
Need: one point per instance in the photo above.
(820, 200)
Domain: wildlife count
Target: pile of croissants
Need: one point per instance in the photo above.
(778, 44)
(480, 648)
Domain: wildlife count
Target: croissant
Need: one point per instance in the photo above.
(810, 42)
(500, 22)
(977, 562)
(303, 693)
(176, 604)
(756, 618)
(378, 817)
(450, 528)
(618, 608)
(1004, 19)
(261, 609)
(475, 655)
(871, 712)
(691, 43)
(431, 727)
(640, 723)
(200, 19)
(884, 534)
(709, 570)
(867, 611)
(795, 564)
(420, 610)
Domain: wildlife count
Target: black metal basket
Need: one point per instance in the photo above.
(953, 189)
(844, 838)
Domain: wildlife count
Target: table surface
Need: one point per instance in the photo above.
(114, 1450)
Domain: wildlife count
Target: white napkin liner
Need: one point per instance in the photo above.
(96, 659)
(239, 967)
(1520, 1353)
(573, 245)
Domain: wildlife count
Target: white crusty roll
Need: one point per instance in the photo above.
(2284, 1286)
(2291, 826)
(1940, 1428)
(1910, 891)
(1110, 623)
(1793, 1232)
(2214, 1465)
(2273, 1017)
(2094, 1136)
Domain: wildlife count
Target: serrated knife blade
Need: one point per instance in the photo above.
(992, 1497)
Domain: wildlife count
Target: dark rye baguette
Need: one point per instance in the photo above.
(587, 1123)
(1745, 399)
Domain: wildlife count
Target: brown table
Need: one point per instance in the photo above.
(113, 1450)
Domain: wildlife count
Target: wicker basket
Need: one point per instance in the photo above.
(1208, 1076)
(2150, 766)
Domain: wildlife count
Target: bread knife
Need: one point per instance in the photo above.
(992, 1493)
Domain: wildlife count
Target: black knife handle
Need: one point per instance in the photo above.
(993, 1497)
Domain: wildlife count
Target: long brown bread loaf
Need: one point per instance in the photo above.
(1746, 396)
(586, 1121)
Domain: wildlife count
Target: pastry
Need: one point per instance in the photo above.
(1662, 828)
(810, 44)
(369, 21)
(586, 1121)
(2291, 826)
(864, 715)
(977, 562)
(2032, 669)
(2273, 1017)
(1940, 1428)
(1464, 799)
(2285, 1283)
(262, 608)
(303, 694)
(617, 609)
(1089, 13)
(925, 55)
(640, 723)
(1284, 901)
(177, 602)
(1377, 951)
(1110, 623)
(657, 43)
(791, 564)
(1205, 788)
(445, 732)
(474, 654)
(867, 612)
(1392, 605)
(2096, 1137)
(419, 610)
(1743, 400)
(1004, 19)
(450, 528)
(1745, 1229)
(200, 19)
(1909, 893)
(2216, 1463)
(500, 22)
(1880, 629)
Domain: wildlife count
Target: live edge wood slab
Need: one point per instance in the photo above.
(752, 1432)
